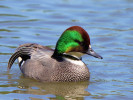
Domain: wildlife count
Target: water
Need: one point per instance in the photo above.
(109, 24)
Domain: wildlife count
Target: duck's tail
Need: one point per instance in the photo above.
(23, 51)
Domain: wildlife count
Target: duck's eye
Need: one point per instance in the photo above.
(77, 41)
(81, 43)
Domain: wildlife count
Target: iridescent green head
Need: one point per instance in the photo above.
(73, 39)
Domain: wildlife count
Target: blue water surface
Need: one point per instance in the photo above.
(110, 26)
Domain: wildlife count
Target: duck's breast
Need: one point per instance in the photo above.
(71, 70)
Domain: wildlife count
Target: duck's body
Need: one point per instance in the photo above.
(42, 66)
(45, 64)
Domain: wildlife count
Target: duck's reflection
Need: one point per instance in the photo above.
(65, 90)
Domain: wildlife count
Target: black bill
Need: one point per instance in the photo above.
(93, 53)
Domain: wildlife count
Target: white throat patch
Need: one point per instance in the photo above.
(76, 62)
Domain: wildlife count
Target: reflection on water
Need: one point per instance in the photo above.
(109, 24)
(64, 90)
(61, 90)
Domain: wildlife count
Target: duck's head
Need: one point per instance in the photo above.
(74, 42)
